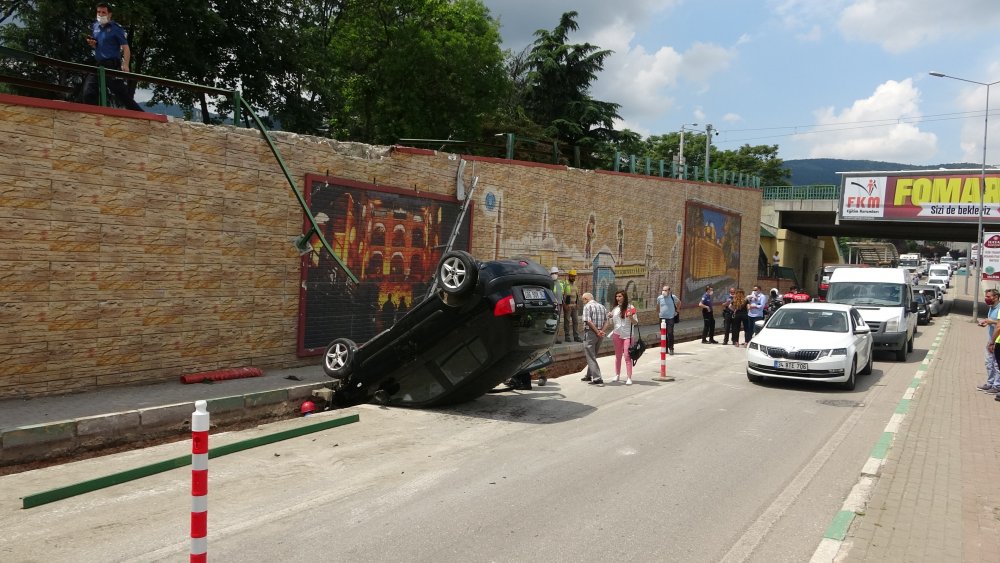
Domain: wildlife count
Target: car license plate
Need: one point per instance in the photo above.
(534, 294)
(801, 366)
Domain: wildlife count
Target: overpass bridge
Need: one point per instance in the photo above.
(801, 223)
(812, 211)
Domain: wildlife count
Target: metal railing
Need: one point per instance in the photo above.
(240, 106)
(813, 191)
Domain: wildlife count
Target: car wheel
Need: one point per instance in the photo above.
(754, 378)
(339, 357)
(457, 272)
(852, 380)
(868, 367)
(901, 354)
(909, 345)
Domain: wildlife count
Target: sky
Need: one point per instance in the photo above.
(819, 78)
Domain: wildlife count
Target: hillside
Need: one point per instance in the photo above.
(824, 170)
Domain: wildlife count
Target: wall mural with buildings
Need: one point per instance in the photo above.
(390, 240)
(609, 252)
(711, 251)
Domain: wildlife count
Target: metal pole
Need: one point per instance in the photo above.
(680, 159)
(708, 146)
(982, 194)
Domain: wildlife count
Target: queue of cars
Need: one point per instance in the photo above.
(833, 338)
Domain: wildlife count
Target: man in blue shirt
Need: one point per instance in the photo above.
(110, 51)
(668, 310)
(756, 304)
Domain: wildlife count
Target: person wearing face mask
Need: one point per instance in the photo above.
(111, 50)
(668, 310)
(992, 385)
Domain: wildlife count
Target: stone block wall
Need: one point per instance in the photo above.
(136, 250)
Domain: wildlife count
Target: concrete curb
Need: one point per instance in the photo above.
(54, 439)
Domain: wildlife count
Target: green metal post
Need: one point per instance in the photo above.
(102, 87)
(631, 163)
(510, 146)
(576, 156)
(649, 163)
(237, 106)
(555, 152)
(661, 168)
(618, 161)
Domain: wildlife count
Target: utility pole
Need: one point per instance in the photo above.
(708, 146)
(680, 159)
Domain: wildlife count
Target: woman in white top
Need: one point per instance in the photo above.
(622, 317)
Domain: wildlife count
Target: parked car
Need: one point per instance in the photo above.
(486, 322)
(936, 293)
(825, 342)
(923, 308)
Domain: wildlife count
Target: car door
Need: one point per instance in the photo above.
(863, 342)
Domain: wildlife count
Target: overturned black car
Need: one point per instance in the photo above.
(484, 322)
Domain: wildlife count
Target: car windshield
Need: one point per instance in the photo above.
(823, 320)
(866, 293)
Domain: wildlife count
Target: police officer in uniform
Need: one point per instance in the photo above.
(111, 50)
(571, 298)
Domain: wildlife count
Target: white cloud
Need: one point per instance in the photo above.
(732, 118)
(901, 25)
(866, 129)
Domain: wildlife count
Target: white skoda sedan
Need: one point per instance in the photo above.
(826, 342)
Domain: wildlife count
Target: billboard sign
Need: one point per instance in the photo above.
(991, 256)
(920, 195)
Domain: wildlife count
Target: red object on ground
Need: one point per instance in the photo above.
(220, 374)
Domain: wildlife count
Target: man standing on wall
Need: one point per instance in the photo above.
(774, 265)
(110, 51)
(708, 316)
(570, 300)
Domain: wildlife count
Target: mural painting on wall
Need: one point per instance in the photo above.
(603, 266)
(389, 240)
(711, 251)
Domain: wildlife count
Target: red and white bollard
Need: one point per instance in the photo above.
(663, 353)
(199, 482)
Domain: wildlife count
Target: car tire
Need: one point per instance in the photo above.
(851, 382)
(338, 359)
(457, 273)
(901, 353)
(868, 367)
(754, 378)
(909, 345)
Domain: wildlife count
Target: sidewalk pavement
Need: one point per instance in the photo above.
(936, 497)
(47, 427)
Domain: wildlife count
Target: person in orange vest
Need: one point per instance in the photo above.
(571, 298)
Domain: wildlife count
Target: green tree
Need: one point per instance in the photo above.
(759, 160)
(415, 68)
(558, 89)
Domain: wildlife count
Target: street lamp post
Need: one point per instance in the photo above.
(982, 187)
(708, 146)
(680, 159)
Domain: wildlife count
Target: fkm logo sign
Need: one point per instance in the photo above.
(864, 198)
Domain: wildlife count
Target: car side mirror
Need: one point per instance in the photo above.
(862, 330)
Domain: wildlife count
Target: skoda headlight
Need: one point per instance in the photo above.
(833, 352)
(753, 346)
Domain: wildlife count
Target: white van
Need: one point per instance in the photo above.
(939, 274)
(884, 298)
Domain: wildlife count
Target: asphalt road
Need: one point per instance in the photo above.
(707, 468)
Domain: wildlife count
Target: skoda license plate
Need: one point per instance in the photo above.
(800, 366)
(534, 294)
